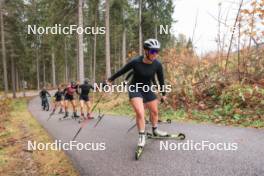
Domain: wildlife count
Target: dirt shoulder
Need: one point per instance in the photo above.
(17, 127)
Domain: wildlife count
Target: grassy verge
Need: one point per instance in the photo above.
(17, 127)
(119, 105)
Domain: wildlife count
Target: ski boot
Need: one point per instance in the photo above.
(159, 133)
(141, 144)
(65, 116)
(82, 118)
(75, 116)
(89, 116)
(60, 112)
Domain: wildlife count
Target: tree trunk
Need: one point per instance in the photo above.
(107, 41)
(37, 40)
(44, 73)
(94, 57)
(38, 78)
(140, 27)
(66, 76)
(124, 47)
(13, 75)
(95, 42)
(90, 61)
(156, 31)
(17, 80)
(77, 63)
(80, 42)
(219, 34)
(232, 36)
(238, 51)
(4, 52)
(53, 67)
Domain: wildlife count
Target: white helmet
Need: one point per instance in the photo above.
(152, 44)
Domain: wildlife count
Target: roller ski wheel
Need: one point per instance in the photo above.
(63, 118)
(165, 121)
(66, 118)
(176, 136)
(139, 152)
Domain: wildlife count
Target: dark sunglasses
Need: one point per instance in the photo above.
(153, 51)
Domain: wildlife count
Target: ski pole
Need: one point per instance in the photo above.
(100, 117)
(85, 121)
(131, 127)
(51, 114)
(162, 101)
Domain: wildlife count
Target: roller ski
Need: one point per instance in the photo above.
(66, 116)
(83, 118)
(75, 116)
(157, 134)
(167, 121)
(140, 146)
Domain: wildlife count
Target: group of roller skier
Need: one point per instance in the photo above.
(144, 69)
(63, 97)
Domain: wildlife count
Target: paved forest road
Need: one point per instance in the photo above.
(118, 158)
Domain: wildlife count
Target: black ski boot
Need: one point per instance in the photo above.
(75, 116)
(60, 112)
(66, 115)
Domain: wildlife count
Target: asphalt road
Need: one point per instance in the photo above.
(118, 157)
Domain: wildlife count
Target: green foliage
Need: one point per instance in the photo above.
(123, 15)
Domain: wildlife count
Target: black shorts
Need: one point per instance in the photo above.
(69, 97)
(146, 96)
(84, 97)
(58, 99)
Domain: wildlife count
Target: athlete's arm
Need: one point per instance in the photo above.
(129, 75)
(77, 89)
(48, 93)
(160, 76)
(64, 91)
(122, 71)
(91, 87)
(154, 80)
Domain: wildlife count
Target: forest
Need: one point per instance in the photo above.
(222, 86)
